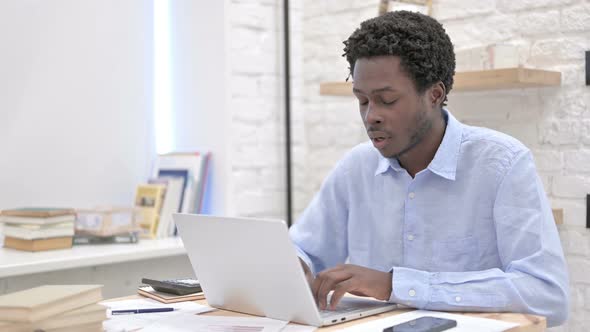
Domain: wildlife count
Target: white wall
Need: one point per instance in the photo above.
(199, 84)
(76, 124)
(75, 101)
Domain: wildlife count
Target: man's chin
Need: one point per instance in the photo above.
(387, 153)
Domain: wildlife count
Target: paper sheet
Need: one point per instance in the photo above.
(464, 323)
(298, 328)
(133, 322)
(195, 323)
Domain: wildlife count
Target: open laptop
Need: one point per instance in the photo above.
(250, 266)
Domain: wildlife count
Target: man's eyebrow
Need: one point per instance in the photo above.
(387, 88)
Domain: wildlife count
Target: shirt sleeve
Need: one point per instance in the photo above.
(320, 234)
(533, 277)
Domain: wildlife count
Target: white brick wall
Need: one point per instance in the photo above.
(553, 122)
(257, 104)
(576, 18)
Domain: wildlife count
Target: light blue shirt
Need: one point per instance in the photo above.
(472, 232)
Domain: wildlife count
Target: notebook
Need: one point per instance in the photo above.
(148, 291)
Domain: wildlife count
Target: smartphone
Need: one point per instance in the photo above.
(423, 324)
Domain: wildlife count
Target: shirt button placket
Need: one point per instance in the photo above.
(409, 228)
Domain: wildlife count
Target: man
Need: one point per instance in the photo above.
(431, 213)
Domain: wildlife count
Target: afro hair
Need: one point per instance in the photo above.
(425, 49)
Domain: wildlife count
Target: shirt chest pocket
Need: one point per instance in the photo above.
(455, 254)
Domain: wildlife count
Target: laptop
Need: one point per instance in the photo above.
(250, 266)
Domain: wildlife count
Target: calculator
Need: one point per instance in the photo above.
(174, 286)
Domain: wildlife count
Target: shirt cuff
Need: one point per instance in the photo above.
(410, 287)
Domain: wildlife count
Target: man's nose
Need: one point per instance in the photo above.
(373, 116)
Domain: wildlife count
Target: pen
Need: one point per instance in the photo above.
(140, 311)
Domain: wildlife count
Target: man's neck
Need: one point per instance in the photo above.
(420, 156)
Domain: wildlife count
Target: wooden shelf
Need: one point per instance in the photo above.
(511, 78)
(558, 216)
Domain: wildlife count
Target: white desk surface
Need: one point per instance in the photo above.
(16, 262)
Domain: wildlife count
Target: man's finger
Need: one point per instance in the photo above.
(315, 285)
(329, 277)
(322, 293)
(339, 291)
(328, 285)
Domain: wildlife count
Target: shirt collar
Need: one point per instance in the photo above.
(445, 160)
(386, 163)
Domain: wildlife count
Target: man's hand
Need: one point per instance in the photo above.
(353, 279)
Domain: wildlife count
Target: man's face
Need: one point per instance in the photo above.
(396, 117)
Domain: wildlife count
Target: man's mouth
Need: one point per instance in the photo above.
(379, 139)
(380, 142)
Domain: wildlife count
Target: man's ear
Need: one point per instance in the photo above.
(437, 94)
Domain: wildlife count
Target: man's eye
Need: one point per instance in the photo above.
(363, 102)
(389, 102)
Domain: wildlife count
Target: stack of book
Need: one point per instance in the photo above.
(53, 308)
(38, 229)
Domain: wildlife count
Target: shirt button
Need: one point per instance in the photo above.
(410, 237)
(457, 298)
(412, 195)
(412, 293)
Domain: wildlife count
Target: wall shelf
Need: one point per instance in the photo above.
(15, 262)
(510, 78)
(558, 216)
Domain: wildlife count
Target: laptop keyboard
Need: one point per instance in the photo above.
(343, 308)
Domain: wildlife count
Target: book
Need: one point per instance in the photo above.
(37, 220)
(89, 314)
(149, 199)
(38, 244)
(148, 291)
(180, 174)
(32, 232)
(130, 237)
(38, 212)
(36, 227)
(171, 204)
(35, 304)
(191, 162)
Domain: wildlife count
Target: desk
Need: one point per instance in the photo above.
(528, 323)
